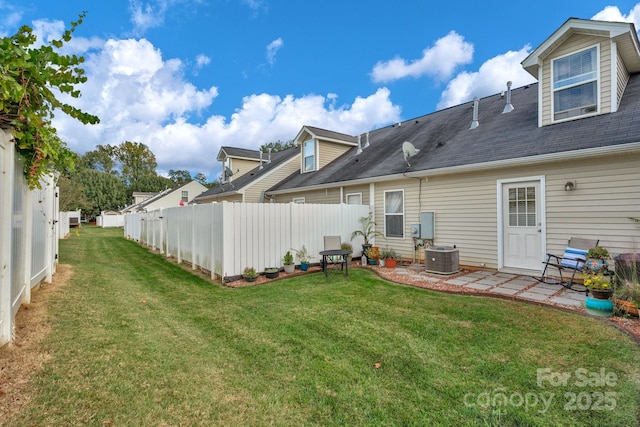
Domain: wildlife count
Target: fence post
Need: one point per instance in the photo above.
(7, 154)
(49, 247)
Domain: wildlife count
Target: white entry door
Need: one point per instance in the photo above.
(522, 225)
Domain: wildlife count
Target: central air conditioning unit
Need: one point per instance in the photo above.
(441, 260)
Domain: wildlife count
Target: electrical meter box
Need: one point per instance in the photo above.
(415, 231)
(427, 225)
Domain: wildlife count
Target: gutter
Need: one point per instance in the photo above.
(520, 161)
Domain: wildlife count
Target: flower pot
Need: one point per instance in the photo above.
(250, 278)
(271, 274)
(626, 307)
(372, 261)
(601, 293)
(289, 268)
(390, 262)
(304, 266)
(599, 307)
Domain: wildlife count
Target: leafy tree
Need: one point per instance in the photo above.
(201, 178)
(72, 195)
(180, 176)
(152, 184)
(137, 161)
(28, 79)
(276, 146)
(101, 159)
(106, 192)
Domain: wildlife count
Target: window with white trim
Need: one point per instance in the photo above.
(575, 84)
(299, 200)
(394, 213)
(353, 198)
(309, 156)
(185, 196)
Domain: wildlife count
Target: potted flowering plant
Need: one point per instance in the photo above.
(597, 259)
(304, 258)
(372, 254)
(390, 257)
(598, 284)
(249, 274)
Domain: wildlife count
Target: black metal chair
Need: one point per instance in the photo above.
(571, 262)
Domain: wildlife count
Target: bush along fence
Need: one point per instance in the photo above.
(224, 238)
(28, 236)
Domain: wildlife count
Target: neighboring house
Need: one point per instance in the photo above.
(507, 181)
(237, 162)
(168, 198)
(250, 186)
(139, 196)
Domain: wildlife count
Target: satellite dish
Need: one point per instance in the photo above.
(228, 173)
(409, 150)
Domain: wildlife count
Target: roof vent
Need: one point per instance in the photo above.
(366, 142)
(261, 160)
(475, 122)
(508, 107)
(359, 146)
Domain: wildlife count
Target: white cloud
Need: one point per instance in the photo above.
(10, 18)
(142, 97)
(491, 78)
(202, 60)
(439, 61)
(272, 49)
(145, 16)
(612, 13)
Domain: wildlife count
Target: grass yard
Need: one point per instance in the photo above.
(137, 340)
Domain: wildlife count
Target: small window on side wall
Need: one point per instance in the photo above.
(394, 213)
(299, 200)
(185, 196)
(353, 198)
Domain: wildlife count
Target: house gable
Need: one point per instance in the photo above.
(237, 161)
(569, 89)
(319, 147)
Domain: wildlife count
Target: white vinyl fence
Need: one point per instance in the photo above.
(28, 235)
(110, 219)
(224, 238)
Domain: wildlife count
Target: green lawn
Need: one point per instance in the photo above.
(137, 340)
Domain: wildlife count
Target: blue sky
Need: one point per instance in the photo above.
(186, 77)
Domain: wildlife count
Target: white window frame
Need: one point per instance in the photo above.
(393, 213)
(346, 198)
(314, 156)
(595, 79)
(299, 200)
(184, 196)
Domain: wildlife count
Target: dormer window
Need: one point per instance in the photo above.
(575, 84)
(309, 156)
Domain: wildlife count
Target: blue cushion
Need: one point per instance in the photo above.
(574, 258)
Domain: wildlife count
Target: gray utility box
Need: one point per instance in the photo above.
(426, 228)
(441, 259)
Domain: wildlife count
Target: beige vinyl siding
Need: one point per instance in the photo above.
(575, 43)
(622, 78)
(254, 191)
(243, 165)
(234, 198)
(404, 245)
(324, 196)
(362, 189)
(466, 212)
(329, 151)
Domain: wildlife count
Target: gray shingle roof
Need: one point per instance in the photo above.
(445, 140)
(241, 152)
(277, 158)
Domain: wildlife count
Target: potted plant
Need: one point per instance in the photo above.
(347, 246)
(289, 266)
(372, 254)
(249, 274)
(367, 231)
(272, 272)
(390, 257)
(597, 259)
(598, 284)
(626, 296)
(304, 258)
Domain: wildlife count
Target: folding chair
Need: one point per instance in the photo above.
(333, 243)
(571, 262)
